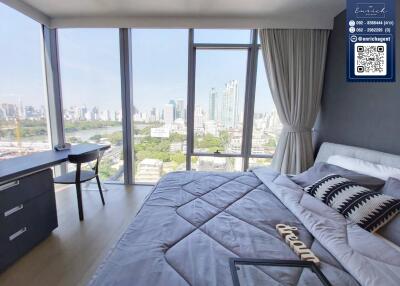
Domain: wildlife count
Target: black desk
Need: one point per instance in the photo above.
(28, 212)
(18, 167)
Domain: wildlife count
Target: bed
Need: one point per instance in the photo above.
(192, 223)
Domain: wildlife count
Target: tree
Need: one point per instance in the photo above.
(271, 143)
(176, 137)
(116, 138)
(95, 138)
(179, 158)
(74, 140)
(209, 142)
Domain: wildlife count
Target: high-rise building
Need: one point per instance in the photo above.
(230, 105)
(105, 115)
(118, 116)
(157, 113)
(153, 115)
(3, 114)
(173, 103)
(42, 111)
(21, 110)
(213, 105)
(94, 114)
(10, 111)
(169, 112)
(180, 109)
(82, 112)
(210, 127)
(69, 113)
(30, 112)
(198, 117)
(274, 123)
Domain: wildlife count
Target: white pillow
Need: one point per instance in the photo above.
(364, 167)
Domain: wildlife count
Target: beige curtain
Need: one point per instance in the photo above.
(295, 64)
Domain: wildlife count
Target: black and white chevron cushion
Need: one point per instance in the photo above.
(369, 209)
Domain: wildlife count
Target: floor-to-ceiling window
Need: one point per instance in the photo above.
(159, 67)
(219, 108)
(91, 93)
(181, 118)
(23, 105)
(228, 75)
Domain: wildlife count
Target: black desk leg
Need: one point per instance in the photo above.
(100, 190)
(79, 197)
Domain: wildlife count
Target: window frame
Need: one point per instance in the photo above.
(34, 30)
(128, 43)
(252, 48)
(119, 91)
(55, 95)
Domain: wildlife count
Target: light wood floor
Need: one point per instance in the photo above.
(74, 250)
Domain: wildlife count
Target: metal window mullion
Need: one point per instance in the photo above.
(199, 154)
(190, 99)
(125, 45)
(210, 46)
(250, 100)
(246, 109)
(53, 90)
(266, 156)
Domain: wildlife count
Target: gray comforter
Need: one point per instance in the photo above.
(192, 223)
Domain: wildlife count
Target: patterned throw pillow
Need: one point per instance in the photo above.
(369, 209)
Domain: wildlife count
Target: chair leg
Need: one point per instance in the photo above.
(100, 190)
(79, 196)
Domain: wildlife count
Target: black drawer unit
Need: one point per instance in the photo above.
(28, 215)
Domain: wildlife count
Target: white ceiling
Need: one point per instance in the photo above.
(182, 13)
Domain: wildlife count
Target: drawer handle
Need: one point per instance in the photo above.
(13, 210)
(9, 185)
(18, 233)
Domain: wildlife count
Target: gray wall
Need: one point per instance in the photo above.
(359, 114)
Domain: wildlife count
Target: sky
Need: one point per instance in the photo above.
(21, 74)
(90, 71)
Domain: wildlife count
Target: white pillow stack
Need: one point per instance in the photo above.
(364, 167)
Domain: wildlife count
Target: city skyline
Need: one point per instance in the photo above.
(91, 96)
(175, 109)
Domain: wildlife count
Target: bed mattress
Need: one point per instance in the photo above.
(193, 222)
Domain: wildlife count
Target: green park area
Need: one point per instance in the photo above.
(145, 146)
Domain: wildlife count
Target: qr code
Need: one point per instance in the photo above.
(370, 59)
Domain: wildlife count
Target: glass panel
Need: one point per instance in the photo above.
(221, 164)
(219, 102)
(259, 162)
(91, 89)
(218, 36)
(249, 275)
(266, 124)
(23, 107)
(159, 92)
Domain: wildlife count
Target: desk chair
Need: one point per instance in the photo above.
(80, 176)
